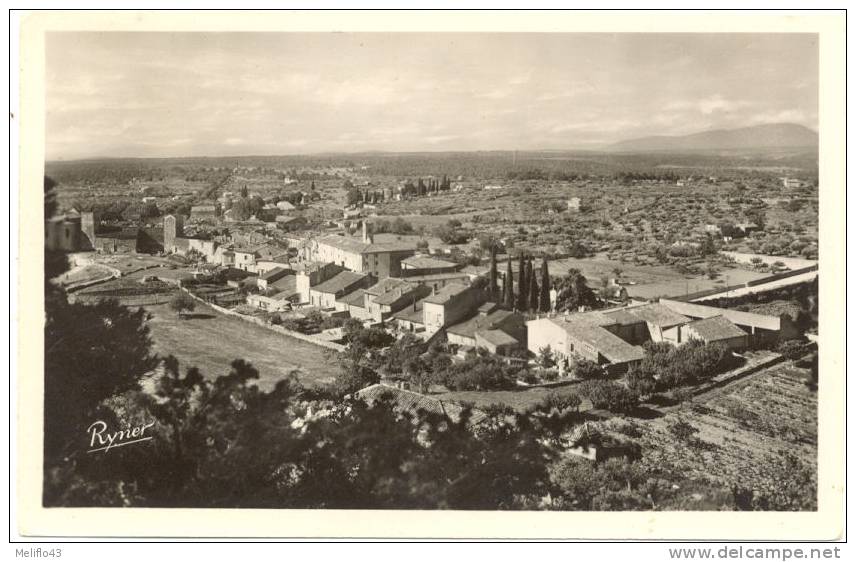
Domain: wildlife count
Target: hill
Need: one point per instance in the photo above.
(777, 136)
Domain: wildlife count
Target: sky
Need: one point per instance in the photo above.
(132, 94)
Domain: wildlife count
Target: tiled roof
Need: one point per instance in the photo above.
(273, 274)
(715, 328)
(386, 285)
(287, 283)
(427, 262)
(413, 402)
(693, 310)
(623, 316)
(588, 328)
(252, 251)
(339, 282)
(496, 337)
(283, 295)
(468, 328)
(354, 298)
(358, 246)
(456, 275)
(411, 313)
(657, 314)
(443, 295)
(406, 294)
(477, 269)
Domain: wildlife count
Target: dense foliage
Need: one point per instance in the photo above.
(665, 366)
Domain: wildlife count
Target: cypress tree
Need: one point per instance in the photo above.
(492, 286)
(529, 268)
(522, 292)
(544, 301)
(534, 293)
(508, 286)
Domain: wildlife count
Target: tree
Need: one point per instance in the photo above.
(492, 275)
(241, 209)
(522, 284)
(574, 292)
(488, 242)
(793, 349)
(450, 234)
(181, 303)
(405, 349)
(256, 204)
(586, 369)
(508, 286)
(707, 247)
(545, 357)
(534, 293)
(352, 377)
(610, 395)
(480, 371)
(244, 192)
(91, 353)
(640, 381)
(544, 297)
(352, 195)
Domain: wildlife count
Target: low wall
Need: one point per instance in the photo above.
(783, 275)
(266, 325)
(86, 284)
(755, 283)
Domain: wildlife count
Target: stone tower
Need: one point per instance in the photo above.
(173, 227)
(88, 227)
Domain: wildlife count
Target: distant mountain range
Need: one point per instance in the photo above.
(775, 136)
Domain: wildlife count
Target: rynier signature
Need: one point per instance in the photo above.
(103, 440)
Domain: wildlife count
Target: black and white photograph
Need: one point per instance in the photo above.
(433, 271)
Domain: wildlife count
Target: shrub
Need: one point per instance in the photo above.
(682, 430)
(480, 372)
(585, 369)
(181, 303)
(793, 349)
(609, 395)
(560, 402)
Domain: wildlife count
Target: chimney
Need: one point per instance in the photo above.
(367, 237)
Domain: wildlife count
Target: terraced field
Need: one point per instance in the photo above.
(741, 428)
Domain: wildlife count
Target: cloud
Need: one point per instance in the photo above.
(717, 103)
(177, 93)
(782, 116)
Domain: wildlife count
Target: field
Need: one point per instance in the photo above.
(650, 281)
(125, 263)
(84, 274)
(211, 341)
(520, 400)
(741, 426)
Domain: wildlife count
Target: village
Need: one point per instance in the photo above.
(290, 282)
(307, 275)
